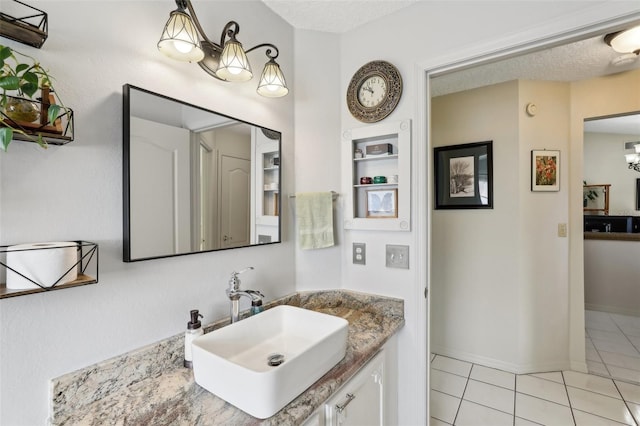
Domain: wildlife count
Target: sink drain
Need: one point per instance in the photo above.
(275, 360)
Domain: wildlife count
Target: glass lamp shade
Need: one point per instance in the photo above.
(234, 65)
(627, 41)
(632, 158)
(179, 39)
(272, 83)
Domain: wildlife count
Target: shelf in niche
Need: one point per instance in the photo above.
(381, 157)
(377, 185)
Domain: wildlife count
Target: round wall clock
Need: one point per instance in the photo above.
(374, 91)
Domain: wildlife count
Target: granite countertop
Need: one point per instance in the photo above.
(150, 386)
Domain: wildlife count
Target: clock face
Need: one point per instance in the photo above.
(372, 91)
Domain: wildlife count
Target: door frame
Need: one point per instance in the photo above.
(557, 32)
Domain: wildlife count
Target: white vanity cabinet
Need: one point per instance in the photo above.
(368, 398)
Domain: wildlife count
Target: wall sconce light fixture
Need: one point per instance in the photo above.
(626, 41)
(634, 159)
(184, 39)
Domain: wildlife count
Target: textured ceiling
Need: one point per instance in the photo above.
(333, 16)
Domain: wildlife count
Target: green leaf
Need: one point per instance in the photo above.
(6, 134)
(21, 67)
(41, 141)
(9, 82)
(30, 77)
(52, 113)
(5, 52)
(29, 89)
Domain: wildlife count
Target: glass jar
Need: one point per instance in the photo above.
(22, 110)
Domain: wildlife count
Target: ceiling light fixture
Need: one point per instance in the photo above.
(184, 39)
(625, 41)
(634, 159)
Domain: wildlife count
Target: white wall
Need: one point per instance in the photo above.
(604, 163)
(75, 192)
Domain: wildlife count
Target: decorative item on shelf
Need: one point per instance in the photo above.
(633, 159)
(379, 149)
(382, 203)
(184, 39)
(366, 180)
(374, 91)
(392, 179)
(379, 179)
(38, 267)
(358, 153)
(30, 29)
(588, 194)
(42, 120)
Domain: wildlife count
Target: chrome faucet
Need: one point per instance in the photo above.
(234, 294)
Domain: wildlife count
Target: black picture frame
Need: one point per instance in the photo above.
(638, 194)
(464, 176)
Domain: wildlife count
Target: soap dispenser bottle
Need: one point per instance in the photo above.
(256, 307)
(194, 329)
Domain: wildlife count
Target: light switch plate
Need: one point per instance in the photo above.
(397, 256)
(562, 230)
(359, 254)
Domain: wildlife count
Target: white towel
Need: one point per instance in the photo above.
(314, 215)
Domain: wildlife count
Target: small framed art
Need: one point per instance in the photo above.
(464, 176)
(382, 203)
(545, 170)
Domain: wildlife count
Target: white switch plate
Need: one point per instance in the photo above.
(397, 256)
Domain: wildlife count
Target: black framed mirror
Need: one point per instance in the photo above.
(195, 180)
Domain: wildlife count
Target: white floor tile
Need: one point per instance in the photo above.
(448, 383)
(489, 395)
(586, 419)
(624, 373)
(591, 383)
(629, 391)
(444, 407)
(619, 360)
(471, 414)
(523, 422)
(630, 330)
(435, 422)
(554, 376)
(592, 354)
(597, 368)
(600, 405)
(544, 412)
(623, 347)
(493, 376)
(635, 410)
(451, 365)
(588, 343)
(635, 341)
(609, 336)
(541, 388)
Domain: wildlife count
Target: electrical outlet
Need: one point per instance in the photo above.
(359, 254)
(562, 230)
(397, 256)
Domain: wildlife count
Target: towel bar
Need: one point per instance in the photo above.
(334, 195)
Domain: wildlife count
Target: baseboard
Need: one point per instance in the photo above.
(612, 309)
(541, 367)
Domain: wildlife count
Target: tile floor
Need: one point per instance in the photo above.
(463, 393)
(613, 345)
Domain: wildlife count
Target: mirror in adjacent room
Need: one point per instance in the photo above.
(195, 180)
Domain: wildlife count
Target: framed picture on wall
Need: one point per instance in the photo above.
(545, 170)
(464, 176)
(382, 203)
(637, 194)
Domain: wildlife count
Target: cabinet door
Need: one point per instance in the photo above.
(361, 400)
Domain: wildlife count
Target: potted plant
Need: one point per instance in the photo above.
(23, 76)
(588, 194)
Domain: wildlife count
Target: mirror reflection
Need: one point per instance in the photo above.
(195, 180)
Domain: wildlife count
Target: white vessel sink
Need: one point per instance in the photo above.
(233, 362)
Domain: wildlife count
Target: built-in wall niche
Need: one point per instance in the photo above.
(376, 165)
